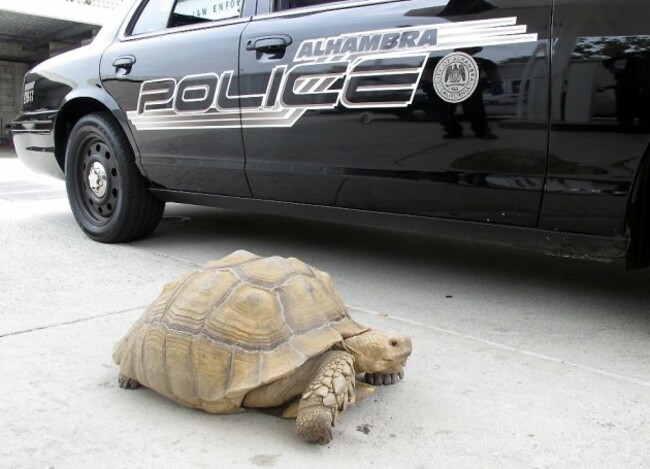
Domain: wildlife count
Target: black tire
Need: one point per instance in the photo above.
(116, 205)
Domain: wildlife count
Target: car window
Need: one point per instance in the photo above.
(280, 5)
(196, 11)
(154, 16)
(157, 15)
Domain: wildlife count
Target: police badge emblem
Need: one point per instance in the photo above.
(455, 77)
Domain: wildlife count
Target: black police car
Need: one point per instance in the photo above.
(524, 121)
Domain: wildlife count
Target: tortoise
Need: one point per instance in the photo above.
(249, 332)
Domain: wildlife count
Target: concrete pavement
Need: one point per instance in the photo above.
(519, 360)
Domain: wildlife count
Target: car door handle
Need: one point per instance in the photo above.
(124, 63)
(274, 43)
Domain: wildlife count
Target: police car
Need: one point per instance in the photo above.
(477, 118)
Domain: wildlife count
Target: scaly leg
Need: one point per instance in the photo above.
(384, 378)
(128, 383)
(328, 394)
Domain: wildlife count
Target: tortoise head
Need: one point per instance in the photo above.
(379, 352)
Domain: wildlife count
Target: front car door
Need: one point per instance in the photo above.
(428, 107)
(171, 71)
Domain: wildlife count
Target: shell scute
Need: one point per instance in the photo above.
(244, 376)
(159, 307)
(211, 363)
(286, 357)
(195, 298)
(236, 258)
(316, 341)
(178, 360)
(271, 271)
(249, 319)
(151, 366)
(307, 305)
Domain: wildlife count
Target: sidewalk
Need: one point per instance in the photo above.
(512, 366)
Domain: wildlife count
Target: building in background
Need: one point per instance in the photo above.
(34, 30)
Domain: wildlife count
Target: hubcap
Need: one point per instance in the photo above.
(100, 180)
(97, 179)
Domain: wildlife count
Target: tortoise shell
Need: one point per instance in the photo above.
(232, 326)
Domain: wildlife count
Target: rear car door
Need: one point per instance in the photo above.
(427, 107)
(165, 71)
(600, 114)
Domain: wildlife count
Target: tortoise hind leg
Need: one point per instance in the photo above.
(329, 394)
(128, 383)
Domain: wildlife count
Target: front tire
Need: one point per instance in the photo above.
(109, 198)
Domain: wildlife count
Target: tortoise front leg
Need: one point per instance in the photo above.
(384, 378)
(328, 394)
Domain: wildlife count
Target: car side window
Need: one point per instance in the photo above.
(157, 15)
(154, 16)
(198, 11)
(280, 5)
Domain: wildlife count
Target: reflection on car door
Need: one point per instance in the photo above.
(600, 114)
(429, 107)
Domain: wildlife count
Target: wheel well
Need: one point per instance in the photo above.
(638, 218)
(67, 117)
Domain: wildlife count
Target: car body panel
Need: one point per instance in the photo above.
(594, 156)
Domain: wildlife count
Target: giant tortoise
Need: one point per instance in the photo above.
(258, 333)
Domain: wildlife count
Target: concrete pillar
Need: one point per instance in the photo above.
(11, 86)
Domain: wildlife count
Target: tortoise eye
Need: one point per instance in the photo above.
(394, 343)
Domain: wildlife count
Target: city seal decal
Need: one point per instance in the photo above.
(455, 77)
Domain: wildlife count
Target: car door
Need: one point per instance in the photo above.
(166, 71)
(600, 115)
(426, 107)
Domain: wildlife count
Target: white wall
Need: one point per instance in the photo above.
(97, 12)
(11, 91)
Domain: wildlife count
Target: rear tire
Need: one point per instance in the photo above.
(108, 196)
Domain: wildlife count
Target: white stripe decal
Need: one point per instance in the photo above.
(355, 78)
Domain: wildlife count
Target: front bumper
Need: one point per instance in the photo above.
(33, 137)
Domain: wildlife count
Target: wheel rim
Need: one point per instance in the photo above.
(98, 179)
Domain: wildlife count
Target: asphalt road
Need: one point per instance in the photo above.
(520, 360)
